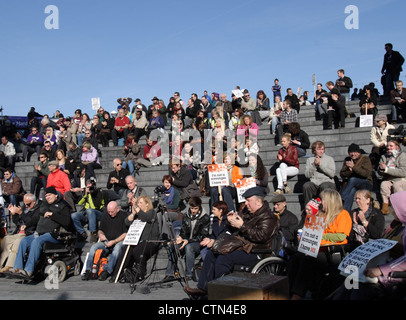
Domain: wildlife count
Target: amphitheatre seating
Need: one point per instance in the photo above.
(336, 140)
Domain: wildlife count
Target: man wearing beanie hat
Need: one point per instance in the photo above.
(54, 214)
(356, 174)
(287, 220)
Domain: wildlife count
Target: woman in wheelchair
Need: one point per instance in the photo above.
(54, 214)
(305, 273)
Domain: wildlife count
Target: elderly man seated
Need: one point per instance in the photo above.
(54, 214)
(256, 225)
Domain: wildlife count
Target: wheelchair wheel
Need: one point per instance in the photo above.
(273, 266)
(62, 270)
(77, 268)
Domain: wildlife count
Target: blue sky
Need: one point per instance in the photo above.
(142, 49)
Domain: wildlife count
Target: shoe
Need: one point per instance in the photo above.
(168, 279)
(87, 276)
(287, 189)
(93, 237)
(278, 191)
(5, 269)
(22, 274)
(195, 292)
(104, 275)
(82, 237)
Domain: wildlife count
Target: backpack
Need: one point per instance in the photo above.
(99, 261)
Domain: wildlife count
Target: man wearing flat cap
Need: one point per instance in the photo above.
(287, 220)
(255, 226)
(356, 174)
(57, 178)
(54, 213)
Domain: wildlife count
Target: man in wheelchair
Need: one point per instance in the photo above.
(255, 229)
(54, 216)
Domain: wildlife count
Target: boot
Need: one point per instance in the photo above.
(385, 208)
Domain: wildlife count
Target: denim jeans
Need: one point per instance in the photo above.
(130, 164)
(114, 255)
(34, 245)
(349, 190)
(80, 137)
(192, 249)
(92, 216)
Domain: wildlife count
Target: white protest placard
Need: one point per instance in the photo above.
(95, 103)
(366, 120)
(312, 235)
(218, 175)
(243, 185)
(238, 93)
(368, 255)
(134, 233)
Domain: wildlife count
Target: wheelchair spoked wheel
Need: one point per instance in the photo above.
(62, 270)
(272, 266)
(77, 268)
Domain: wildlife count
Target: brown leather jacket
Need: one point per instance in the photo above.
(258, 228)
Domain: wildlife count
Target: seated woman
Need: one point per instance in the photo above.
(392, 169)
(368, 102)
(50, 136)
(386, 286)
(134, 158)
(305, 272)
(219, 225)
(247, 126)
(379, 138)
(274, 114)
(60, 157)
(228, 193)
(255, 168)
(142, 209)
(368, 221)
(85, 124)
(172, 195)
(90, 159)
(288, 157)
(107, 126)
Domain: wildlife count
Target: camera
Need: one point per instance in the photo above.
(92, 183)
(160, 189)
(398, 134)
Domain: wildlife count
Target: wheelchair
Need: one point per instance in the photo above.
(270, 261)
(63, 256)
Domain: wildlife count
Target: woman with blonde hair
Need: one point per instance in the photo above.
(305, 272)
(134, 262)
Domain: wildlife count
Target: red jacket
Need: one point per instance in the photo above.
(59, 180)
(290, 156)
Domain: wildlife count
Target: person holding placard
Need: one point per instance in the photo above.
(385, 285)
(305, 272)
(138, 255)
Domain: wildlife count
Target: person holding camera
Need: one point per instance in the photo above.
(356, 174)
(93, 204)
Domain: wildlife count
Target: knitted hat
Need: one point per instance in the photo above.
(314, 204)
(51, 190)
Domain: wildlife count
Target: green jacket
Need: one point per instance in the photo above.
(94, 200)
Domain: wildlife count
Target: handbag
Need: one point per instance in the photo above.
(226, 243)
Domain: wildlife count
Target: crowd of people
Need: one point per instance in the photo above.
(206, 130)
